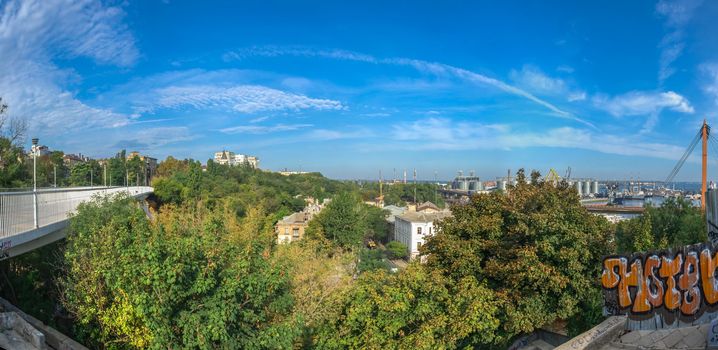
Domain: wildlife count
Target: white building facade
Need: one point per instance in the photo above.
(412, 229)
(233, 159)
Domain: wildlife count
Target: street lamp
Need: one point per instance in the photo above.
(34, 179)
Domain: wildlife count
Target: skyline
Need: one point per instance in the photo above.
(613, 90)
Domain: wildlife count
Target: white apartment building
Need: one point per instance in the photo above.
(413, 226)
(224, 158)
(232, 159)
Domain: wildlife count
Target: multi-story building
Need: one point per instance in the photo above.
(71, 160)
(150, 165)
(417, 223)
(232, 159)
(224, 158)
(40, 150)
(291, 227)
(253, 162)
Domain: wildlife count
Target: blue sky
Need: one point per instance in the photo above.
(612, 89)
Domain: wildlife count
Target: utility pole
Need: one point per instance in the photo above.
(436, 183)
(704, 135)
(91, 179)
(54, 170)
(104, 173)
(414, 185)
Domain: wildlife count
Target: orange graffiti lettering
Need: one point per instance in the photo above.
(669, 269)
(654, 287)
(688, 282)
(708, 278)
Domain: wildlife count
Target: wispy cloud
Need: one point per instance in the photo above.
(153, 138)
(445, 134)
(263, 129)
(433, 68)
(533, 79)
(711, 87)
(677, 13)
(33, 34)
(642, 103)
(242, 98)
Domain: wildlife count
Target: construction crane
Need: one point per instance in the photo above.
(702, 135)
(553, 177)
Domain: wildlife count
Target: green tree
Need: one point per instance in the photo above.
(535, 246)
(673, 224)
(192, 279)
(397, 250)
(13, 172)
(372, 259)
(416, 308)
(340, 221)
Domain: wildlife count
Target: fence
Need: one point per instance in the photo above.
(18, 209)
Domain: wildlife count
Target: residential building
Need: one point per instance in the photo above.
(40, 150)
(291, 227)
(253, 162)
(287, 172)
(224, 158)
(233, 159)
(413, 226)
(394, 211)
(150, 165)
(71, 160)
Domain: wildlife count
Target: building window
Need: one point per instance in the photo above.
(418, 230)
(286, 230)
(295, 232)
(429, 230)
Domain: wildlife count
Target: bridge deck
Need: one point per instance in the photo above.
(19, 226)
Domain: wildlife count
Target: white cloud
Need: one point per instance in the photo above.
(328, 135)
(33, 34)
(258, 119)
(148, 139)
(444, 134)
(642, 103)
(711, 87)
(566, 69)
(241, 98)
(533, 79)
(677, 14)
(263, 129)
(433, 68)
(576, 96)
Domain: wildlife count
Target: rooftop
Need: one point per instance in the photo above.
(418, 216)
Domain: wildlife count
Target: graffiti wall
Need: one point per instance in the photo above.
(663, 289)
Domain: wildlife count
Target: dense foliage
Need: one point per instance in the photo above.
(675, 223)
(535, 247)
(417, 308)
(189, 280)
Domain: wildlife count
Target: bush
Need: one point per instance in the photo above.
(397, 250)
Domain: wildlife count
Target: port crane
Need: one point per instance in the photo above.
(703, 136)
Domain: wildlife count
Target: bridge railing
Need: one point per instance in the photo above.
(17, 209)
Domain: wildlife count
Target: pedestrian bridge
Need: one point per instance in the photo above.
(32, 219)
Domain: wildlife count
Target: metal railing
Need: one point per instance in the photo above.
(20, 212)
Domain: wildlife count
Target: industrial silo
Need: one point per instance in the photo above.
(579, 187)
(501, 184)
(472, 185)
(587, 188)
(594, 188)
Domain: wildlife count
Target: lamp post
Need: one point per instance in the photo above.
(34, 179)
(54, 176)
